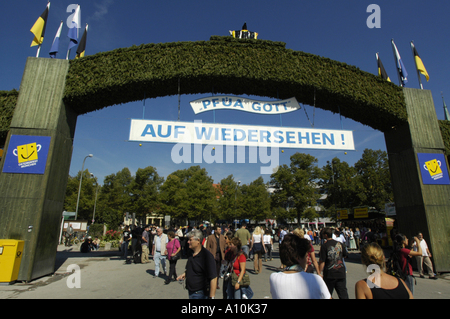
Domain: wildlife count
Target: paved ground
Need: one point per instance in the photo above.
(103, 275)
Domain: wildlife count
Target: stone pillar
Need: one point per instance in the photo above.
(31, 204)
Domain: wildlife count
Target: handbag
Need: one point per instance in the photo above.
(177, 256)
(245, 279)
(234, 278)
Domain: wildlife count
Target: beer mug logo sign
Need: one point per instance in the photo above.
(434, 168)
(27, 154)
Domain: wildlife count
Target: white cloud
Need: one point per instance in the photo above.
(102, 9)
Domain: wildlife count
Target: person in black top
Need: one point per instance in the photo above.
(125, 241)
(332, 266)
(379, 285)
(200, 269)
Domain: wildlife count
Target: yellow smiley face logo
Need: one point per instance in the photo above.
(27, 152)
(433, 167)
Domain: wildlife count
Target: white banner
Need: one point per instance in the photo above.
(243, 104)
(239, 135)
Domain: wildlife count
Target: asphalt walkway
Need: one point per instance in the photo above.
(104, 275)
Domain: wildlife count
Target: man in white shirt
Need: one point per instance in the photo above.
(424, 259)
(159, 250)
(339, 236)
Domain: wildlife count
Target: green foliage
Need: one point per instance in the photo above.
(96, 230)
(445, 132)
(112, 235)
(237, 66)
(8, 101)
(174, 197)
(256, 200)
(114, 200)
(144, 190)
(189, 194)
(340, 183)
(229, 196)
(373, 173)
(295, 186)
(226, 65)
(368, 183)
(87, 195)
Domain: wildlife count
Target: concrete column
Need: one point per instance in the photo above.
(420, 207)
(31, 205)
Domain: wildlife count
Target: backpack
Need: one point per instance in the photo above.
(394, 268)
(137, 257)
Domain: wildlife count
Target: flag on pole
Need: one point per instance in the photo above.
(39, 26)
(244, 33)
(381, 70)
(419, 64)
(401, 70)
(55, 46)
(82, 46)
(73, 30)
(447, 116)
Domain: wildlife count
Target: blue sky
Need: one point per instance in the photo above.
(328, 28)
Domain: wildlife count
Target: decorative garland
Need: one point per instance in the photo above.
(8, 101)
(229, 66)
(232, 66)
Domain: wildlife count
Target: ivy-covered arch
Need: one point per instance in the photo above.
(232, 66)
(227, 65)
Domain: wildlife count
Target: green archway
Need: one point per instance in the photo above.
(54, 92)
(228, 65)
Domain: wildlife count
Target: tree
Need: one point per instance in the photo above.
(144, 190)
(174, 197)
(340, 183)
(201, 195)
(87, 195)
(255, 200)
(375, 187)
(114, 200)
(229, 196)
(296, 185)
(196, 191)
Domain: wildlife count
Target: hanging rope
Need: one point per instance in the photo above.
(307, 116)
(314, 112)
(214, 111)
(281, 123)
(178, 99)
(143, 108)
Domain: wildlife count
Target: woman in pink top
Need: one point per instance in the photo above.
(405, 255)
(173, 247)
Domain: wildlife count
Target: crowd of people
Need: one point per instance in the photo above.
(217, 258)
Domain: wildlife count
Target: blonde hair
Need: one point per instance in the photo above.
(257, 231)
(299, 232)
(373, 254)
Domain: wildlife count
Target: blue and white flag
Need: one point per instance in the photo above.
(73, 30)
(403, 75)
(55, 45)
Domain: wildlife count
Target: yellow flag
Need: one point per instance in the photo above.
(419, 64)
(38, 28)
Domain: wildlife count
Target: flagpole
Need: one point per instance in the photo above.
(38, 51)
(417, 69)
(396, 63)
(77, 25)
(447, 116)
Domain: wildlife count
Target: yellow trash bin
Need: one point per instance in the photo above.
(11, 251)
